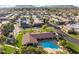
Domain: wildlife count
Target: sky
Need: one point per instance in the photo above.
(11, 3)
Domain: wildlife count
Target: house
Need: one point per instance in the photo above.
(3, 17)
(60, 20)
(25, 23)
(74, 27)
(34, 38)
(37, 22)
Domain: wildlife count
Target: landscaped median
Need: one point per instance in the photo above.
(73, 46)
(74, 36)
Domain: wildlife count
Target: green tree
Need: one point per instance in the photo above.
(2, 42)
(45, 28)
(45, 20)
(49, 29)
(32, 50)
(2, 39)
(72, 31)
(31, 22)
(7, 28)
(12, 20)
(63, 42)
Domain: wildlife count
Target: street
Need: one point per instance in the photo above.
(64, 35)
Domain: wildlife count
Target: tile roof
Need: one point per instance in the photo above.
(42, 35)
(33, 38)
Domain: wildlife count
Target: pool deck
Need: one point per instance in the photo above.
(49, 50)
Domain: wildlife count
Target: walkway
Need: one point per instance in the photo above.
(11, 46)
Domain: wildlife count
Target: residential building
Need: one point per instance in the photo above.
(68, 27)
(34, 38)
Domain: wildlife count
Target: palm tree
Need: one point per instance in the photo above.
(31, 22)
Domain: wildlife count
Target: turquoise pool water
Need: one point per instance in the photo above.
(48, 44)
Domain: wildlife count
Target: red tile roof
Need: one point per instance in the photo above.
(42, 35)
(32, 38)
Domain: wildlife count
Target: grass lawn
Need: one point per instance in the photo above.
(20, 35)
(27, 30)
(19, 39)
(49, 29)
(9, 50)
(74, 36)
(73, 46)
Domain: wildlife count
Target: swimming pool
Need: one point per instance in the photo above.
(48, 44)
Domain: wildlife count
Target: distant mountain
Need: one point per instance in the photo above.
(46, 6)
(24, 6)
(60, 6)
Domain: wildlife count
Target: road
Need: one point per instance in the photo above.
(64, 35)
